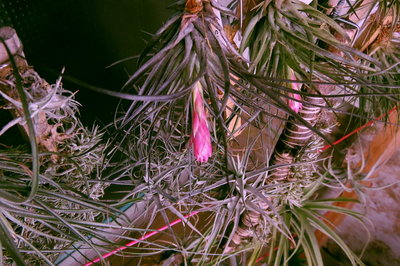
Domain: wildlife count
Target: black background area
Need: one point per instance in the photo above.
(85, 36)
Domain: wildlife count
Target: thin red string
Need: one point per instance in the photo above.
(177, 221)
(359, 129)
(196, 212)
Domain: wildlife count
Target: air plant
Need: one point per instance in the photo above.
(253, 91)
(67, 195)
(291, 75)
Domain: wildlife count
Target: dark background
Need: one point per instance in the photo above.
(85, 36)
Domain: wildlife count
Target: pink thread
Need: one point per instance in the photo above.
(358, 129)
(140, 239)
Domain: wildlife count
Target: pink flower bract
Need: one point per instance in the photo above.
(200, 138)
(294, 105)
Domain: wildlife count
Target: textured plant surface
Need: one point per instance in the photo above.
(68, 192)
(266, 68)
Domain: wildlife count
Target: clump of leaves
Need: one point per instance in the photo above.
(38, 225)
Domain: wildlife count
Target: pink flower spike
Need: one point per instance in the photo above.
(294, 105)
(200, 138)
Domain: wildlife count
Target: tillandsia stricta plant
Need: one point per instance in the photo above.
(64, 205)
(274, 77)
